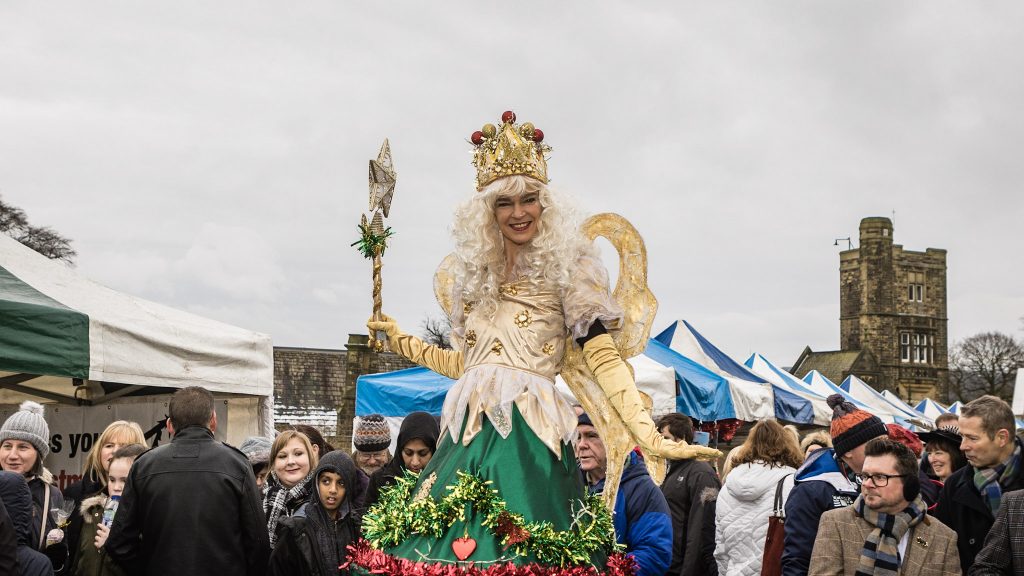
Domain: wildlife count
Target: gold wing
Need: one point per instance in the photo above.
(444, 288)
(639, 307)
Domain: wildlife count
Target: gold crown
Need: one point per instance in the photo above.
(510, 150)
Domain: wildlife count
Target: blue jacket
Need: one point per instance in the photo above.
(642, 520)
(820, 485)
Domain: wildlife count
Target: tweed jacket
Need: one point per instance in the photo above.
(931, 550)
(1003, 553)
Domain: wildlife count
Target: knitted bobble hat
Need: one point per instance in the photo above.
(256, 449)
(27, 424)
(852, 426)
(905, 437)
(372, 434)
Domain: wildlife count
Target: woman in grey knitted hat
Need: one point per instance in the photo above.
(24, 443)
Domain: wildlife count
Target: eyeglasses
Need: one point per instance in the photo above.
(879, 480)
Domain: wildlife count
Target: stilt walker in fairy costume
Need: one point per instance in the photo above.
(528, 299)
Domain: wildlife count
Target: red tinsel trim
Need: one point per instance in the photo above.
(507, 529)
(362, 555)
(726, 428)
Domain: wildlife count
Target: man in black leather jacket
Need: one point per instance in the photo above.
(191, 506)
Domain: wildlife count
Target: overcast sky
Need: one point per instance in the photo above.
(212, 156)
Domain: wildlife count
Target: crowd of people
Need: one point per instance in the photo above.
(852, 497)
(508, 480)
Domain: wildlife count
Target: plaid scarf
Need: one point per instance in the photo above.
(279, 502)
(991, 481)
(880, 555)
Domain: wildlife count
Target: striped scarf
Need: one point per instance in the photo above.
(880, 555)
(990, 481)
(279, 502)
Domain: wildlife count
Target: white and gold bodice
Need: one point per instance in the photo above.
(512, 357)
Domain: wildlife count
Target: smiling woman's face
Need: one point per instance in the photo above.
(291, 463)
(18, 456)
(518, 217)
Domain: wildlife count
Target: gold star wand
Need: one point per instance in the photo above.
(373, 237)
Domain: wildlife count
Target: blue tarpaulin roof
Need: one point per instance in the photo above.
(702, 394)
(746, 387)
(401, 392)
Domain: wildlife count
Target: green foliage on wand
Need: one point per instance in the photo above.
(370, 244)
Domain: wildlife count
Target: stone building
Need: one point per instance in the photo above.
(318, 386)
(892, 317)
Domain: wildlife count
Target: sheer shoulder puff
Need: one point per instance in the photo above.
(448, 291)
(588, 298)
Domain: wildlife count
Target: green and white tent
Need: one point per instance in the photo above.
(66, 339)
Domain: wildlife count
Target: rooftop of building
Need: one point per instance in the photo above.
(833, 364)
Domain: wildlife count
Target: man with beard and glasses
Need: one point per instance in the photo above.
(887, 529)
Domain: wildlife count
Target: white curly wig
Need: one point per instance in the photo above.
(547, 260)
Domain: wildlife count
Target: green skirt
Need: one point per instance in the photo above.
(528, 477)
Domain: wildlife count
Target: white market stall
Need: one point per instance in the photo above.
(93, 355)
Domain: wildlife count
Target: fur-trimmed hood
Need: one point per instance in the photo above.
(86, 508)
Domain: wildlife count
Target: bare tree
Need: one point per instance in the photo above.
(44, 240)
(437, 331)
(985, 363)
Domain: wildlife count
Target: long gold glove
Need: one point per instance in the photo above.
(615, 380)
(446, 362)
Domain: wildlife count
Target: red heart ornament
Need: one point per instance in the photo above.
(463, 547)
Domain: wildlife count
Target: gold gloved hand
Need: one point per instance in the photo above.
(615, 380)
(446, 362)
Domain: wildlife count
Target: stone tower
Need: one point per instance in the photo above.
(892, 304)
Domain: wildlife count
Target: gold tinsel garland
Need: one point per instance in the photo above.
(396, 516)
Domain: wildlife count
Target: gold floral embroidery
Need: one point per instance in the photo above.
(548, 349)
(497, 347)
(424, 490)
(467, 308)
(471, 338)
(508, 290)
(523, 319)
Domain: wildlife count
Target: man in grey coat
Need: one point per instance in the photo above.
(1003, 553)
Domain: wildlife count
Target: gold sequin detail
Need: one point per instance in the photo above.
(508, 290)
(548, 349)
(497, 347)
(467, 308)
(471, 338)
(523, 319)
(424, 490)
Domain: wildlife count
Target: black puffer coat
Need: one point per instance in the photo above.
(18, 501)
(311, 542)
(8, 543)
(39, 486)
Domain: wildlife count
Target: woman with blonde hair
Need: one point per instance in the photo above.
(116, 435)
(815, 441)
(292, 462)
(769, 456)
(523, 289)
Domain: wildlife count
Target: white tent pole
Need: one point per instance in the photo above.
(267, 416)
